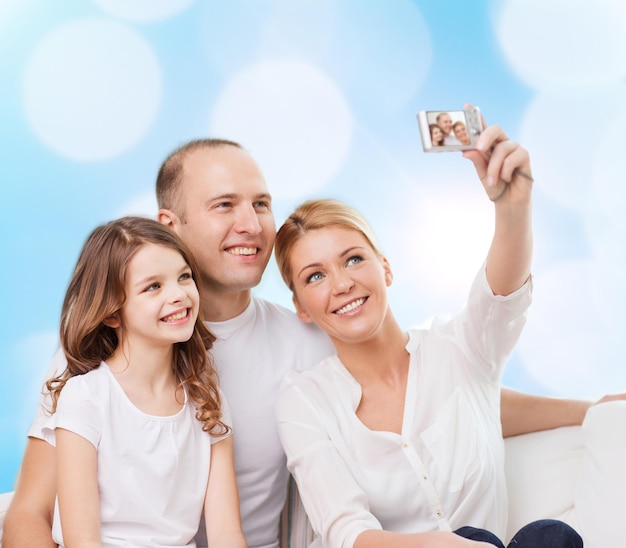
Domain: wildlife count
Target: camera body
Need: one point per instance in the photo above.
(464, 127)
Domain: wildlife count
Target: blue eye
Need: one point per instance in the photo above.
(315, 277)
(261, 205)
(185, 276)
(354, 260)
(153, 286)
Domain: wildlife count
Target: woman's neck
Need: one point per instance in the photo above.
(382, 356)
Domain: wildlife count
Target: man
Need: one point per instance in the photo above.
(213, 194)
(444, 121)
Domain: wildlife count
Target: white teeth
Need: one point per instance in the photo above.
(350, 306)
(243, 250)
(175, 317)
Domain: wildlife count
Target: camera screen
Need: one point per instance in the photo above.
(448, 128)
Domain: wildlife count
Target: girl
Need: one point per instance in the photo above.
(436, 135)
(396, 440)
(141, 429)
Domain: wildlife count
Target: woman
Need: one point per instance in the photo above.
(396, 441)
(460, 132)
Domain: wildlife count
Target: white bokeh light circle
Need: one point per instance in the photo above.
(143, 10)
(382, 55)
(92, 89)
(144, 205)
(608, 182)
(441, 237)
(608, 293)
(564, 43)
(236, 31)
(294, 121)
(562, 134)
(565, 346)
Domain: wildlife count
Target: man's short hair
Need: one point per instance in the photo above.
(171, 173)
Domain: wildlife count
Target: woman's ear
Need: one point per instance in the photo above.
(112, 321)
(301, 313)
(388, 272)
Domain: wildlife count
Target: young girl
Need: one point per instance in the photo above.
(436, 135)
(141, 429)
(396, 440)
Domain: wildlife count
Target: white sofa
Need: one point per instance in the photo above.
(577, 474)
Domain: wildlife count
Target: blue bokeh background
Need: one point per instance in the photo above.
(324, 94)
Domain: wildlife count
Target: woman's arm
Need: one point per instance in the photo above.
(77, 486)
(503, 167)
(433, 539)
(221, 504)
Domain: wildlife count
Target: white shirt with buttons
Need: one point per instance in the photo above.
(446, 468)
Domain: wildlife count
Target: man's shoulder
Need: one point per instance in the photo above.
(275, 314)
(273, 307)
(279, 321)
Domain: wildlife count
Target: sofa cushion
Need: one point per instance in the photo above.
(541, 473)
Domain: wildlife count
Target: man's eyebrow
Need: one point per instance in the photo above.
(227, 196)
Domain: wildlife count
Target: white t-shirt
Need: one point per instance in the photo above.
(446, 469)
(253, 353)
(149, 493)
(451, 139)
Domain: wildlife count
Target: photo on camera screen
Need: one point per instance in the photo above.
(449, 130)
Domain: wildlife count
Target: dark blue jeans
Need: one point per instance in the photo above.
(545, 533)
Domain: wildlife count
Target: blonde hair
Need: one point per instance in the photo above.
(314, 215)
(97, 291)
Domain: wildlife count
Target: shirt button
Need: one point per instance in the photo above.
(438, 512)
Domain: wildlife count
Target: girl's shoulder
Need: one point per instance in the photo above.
(90, 383)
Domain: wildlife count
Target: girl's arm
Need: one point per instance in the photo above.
(221, 503)
(77, 489)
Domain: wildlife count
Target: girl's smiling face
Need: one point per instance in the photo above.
(436, 134)
(162, 300)
(340, 283)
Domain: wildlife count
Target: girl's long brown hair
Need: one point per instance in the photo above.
(96, 291)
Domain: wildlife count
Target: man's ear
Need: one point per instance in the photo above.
(301, 313)
(388, 272)
(168, 218)
(112, 321)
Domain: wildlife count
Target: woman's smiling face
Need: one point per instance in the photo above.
(340, 283)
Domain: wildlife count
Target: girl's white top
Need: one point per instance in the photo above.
(152, 471)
